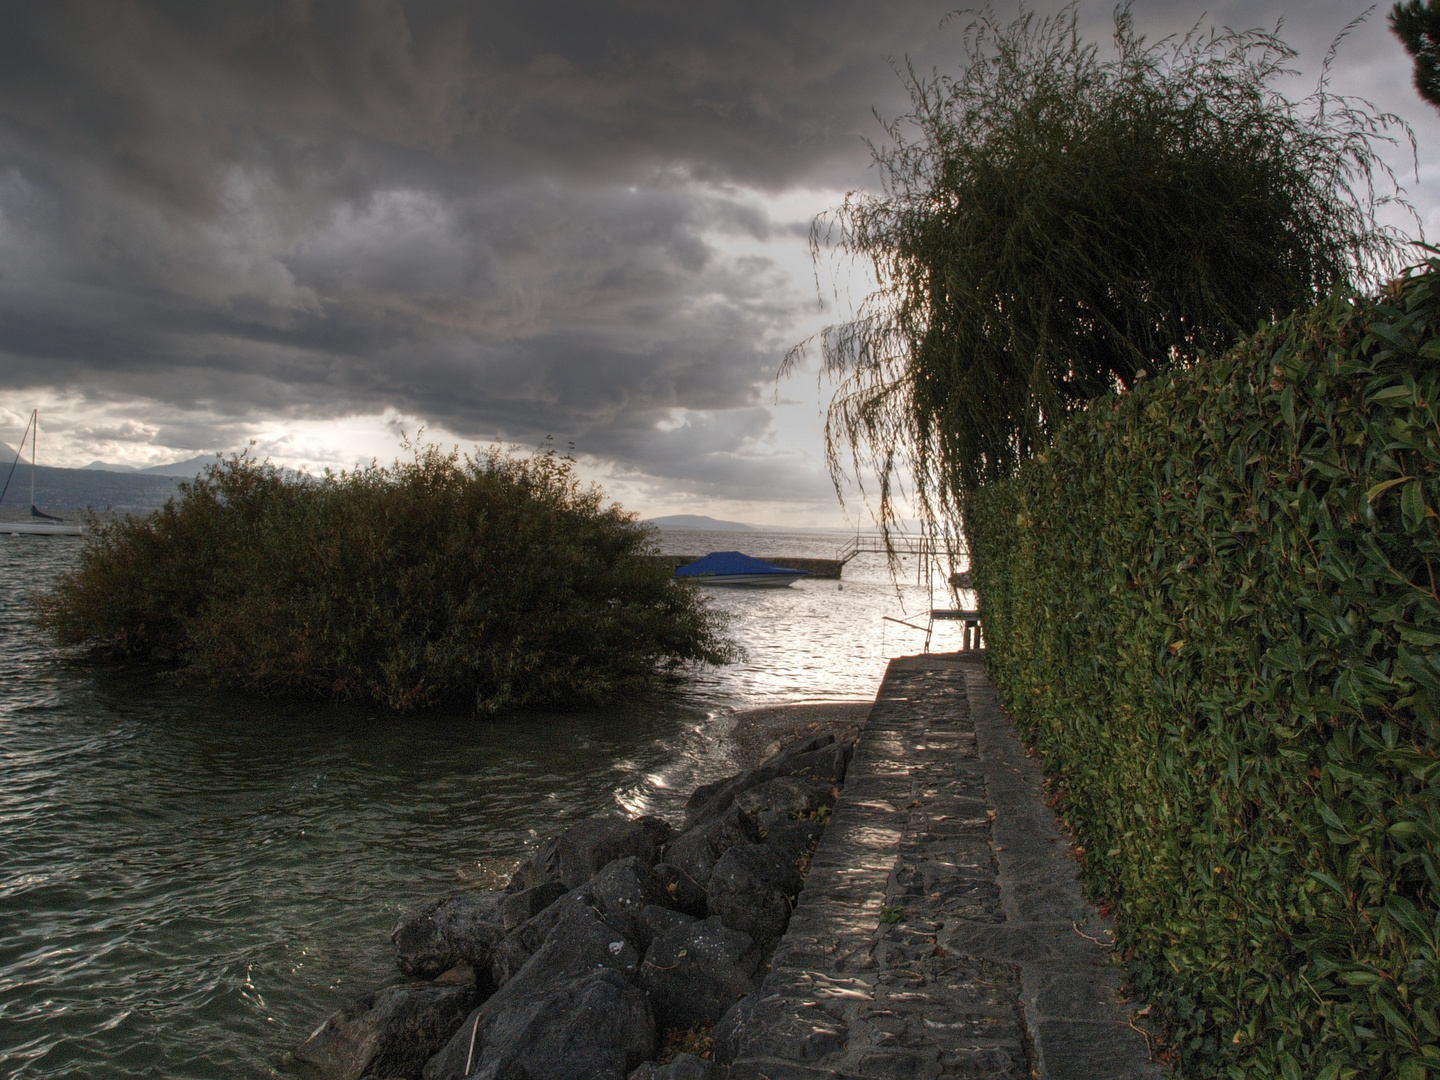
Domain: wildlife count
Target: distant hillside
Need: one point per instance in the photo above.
(190, 467)
(698, 521)
(105, 466)
(77, 489)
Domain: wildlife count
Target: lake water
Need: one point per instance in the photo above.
(191, 880)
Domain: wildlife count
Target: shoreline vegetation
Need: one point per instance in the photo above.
(490, 579)
(1211, 606)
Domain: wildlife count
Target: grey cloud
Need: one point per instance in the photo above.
(322, 95)
(724, 456)
(421, 294)
(510, 219)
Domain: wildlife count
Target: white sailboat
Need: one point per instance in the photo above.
(40, 523)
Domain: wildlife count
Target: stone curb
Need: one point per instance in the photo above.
(1069, 990)
(942, 931)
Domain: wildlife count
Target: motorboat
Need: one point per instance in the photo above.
(733, 568)
(40, 523)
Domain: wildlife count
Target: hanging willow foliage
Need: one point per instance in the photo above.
(1052, 222)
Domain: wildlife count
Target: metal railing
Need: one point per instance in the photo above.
(874, 543)
(970, 630)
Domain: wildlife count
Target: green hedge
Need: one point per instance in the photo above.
(493, 581)
(1212, 605)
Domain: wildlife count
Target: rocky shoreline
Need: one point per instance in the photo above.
(759, 733)
(620, 950)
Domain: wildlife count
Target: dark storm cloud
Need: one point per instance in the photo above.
(508, 218)
(159, 94)
(511, 219)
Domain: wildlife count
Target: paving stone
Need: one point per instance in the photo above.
(1080, 1050)
(1076, 1028)
(942, 931)
(1074, 995)
(1022, 943)
(750, 1070)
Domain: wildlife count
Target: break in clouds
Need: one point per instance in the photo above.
(505, 220)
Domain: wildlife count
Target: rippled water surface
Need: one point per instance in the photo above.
(190, 880)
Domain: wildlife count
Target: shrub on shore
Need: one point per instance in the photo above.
(1212, 605)
(494, 579)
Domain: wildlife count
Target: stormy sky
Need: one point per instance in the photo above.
(315, 224)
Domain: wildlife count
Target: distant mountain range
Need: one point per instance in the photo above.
(98, 486)
(188, 468)
(698, 521)
(70, 490)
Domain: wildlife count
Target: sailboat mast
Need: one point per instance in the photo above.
(34, 438)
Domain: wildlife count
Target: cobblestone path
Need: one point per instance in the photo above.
(941, 932)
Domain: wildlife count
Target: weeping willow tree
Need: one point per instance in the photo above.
(1052, 223)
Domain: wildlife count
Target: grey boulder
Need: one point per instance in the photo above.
(790, 837)
(524, 905)
(714, 798)
(619, 895)
(710, 800)
(828, 763)
(572, 1010)
(514, 951)
(579, 942)
(587, 846)
(698, 849)
(736, 1031)
(682, 892)
(655, 920)
(388, 1032)
(793, 796)
(595, 1026)
(753, 889)
(696, 971)
(622, 890)
(462, 929)
(542, 867)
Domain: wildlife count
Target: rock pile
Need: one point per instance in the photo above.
(617, 932)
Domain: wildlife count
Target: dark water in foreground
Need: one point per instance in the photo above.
(190, 880)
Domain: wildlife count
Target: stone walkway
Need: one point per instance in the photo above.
(942, 932)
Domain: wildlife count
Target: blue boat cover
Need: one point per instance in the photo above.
(721, 563)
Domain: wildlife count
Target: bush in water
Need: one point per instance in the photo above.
(496, 579)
